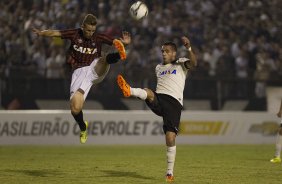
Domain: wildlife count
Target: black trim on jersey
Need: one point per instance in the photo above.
(187, 65)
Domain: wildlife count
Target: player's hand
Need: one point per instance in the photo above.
(186, 42)
(126, 38)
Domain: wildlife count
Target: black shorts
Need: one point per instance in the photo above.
(169, 108)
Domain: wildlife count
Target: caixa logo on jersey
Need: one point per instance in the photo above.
(168, 72)
(85, 50)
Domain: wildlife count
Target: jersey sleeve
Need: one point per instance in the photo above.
(185, 63)
(68, 33)
(103, 38)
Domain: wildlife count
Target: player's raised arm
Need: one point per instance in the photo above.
(48, 33)
(191, 55)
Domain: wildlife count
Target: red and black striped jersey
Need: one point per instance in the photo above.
(83, 51)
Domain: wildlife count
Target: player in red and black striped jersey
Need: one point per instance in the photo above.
(88, 65)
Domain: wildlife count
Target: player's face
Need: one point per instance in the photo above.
(168, 54)
(88, 30)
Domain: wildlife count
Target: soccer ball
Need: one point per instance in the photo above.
(138, 10)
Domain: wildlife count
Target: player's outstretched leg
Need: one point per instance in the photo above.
(83, 134)
(120, 48)
(125, 88)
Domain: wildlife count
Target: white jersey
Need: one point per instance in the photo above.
(171, 79)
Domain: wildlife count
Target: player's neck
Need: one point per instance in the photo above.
(171, 62)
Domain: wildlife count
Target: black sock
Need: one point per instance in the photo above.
(79, 119)
(112, 58)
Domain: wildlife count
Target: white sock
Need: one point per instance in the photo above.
(170, 153)
(139, 93)
(278, 145)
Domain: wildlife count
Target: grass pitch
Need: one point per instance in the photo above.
(195, 164)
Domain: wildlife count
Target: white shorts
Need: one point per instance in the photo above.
(83, 78)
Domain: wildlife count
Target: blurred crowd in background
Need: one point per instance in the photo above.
(236, 39)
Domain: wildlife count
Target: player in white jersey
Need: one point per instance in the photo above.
(277, 158)
(167, 100)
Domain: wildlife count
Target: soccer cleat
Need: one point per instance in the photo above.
(169, 178)
(83, 134)
(120, 47)
(125, 88)
(276, 160)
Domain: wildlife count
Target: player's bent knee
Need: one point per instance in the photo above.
(75, 110)
(77, 101)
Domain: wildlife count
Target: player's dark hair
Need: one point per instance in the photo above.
(173, 45)
(90, 20)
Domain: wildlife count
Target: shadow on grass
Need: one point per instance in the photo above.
(35, 173)
(111, 173)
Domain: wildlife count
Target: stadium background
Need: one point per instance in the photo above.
(238, 49)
